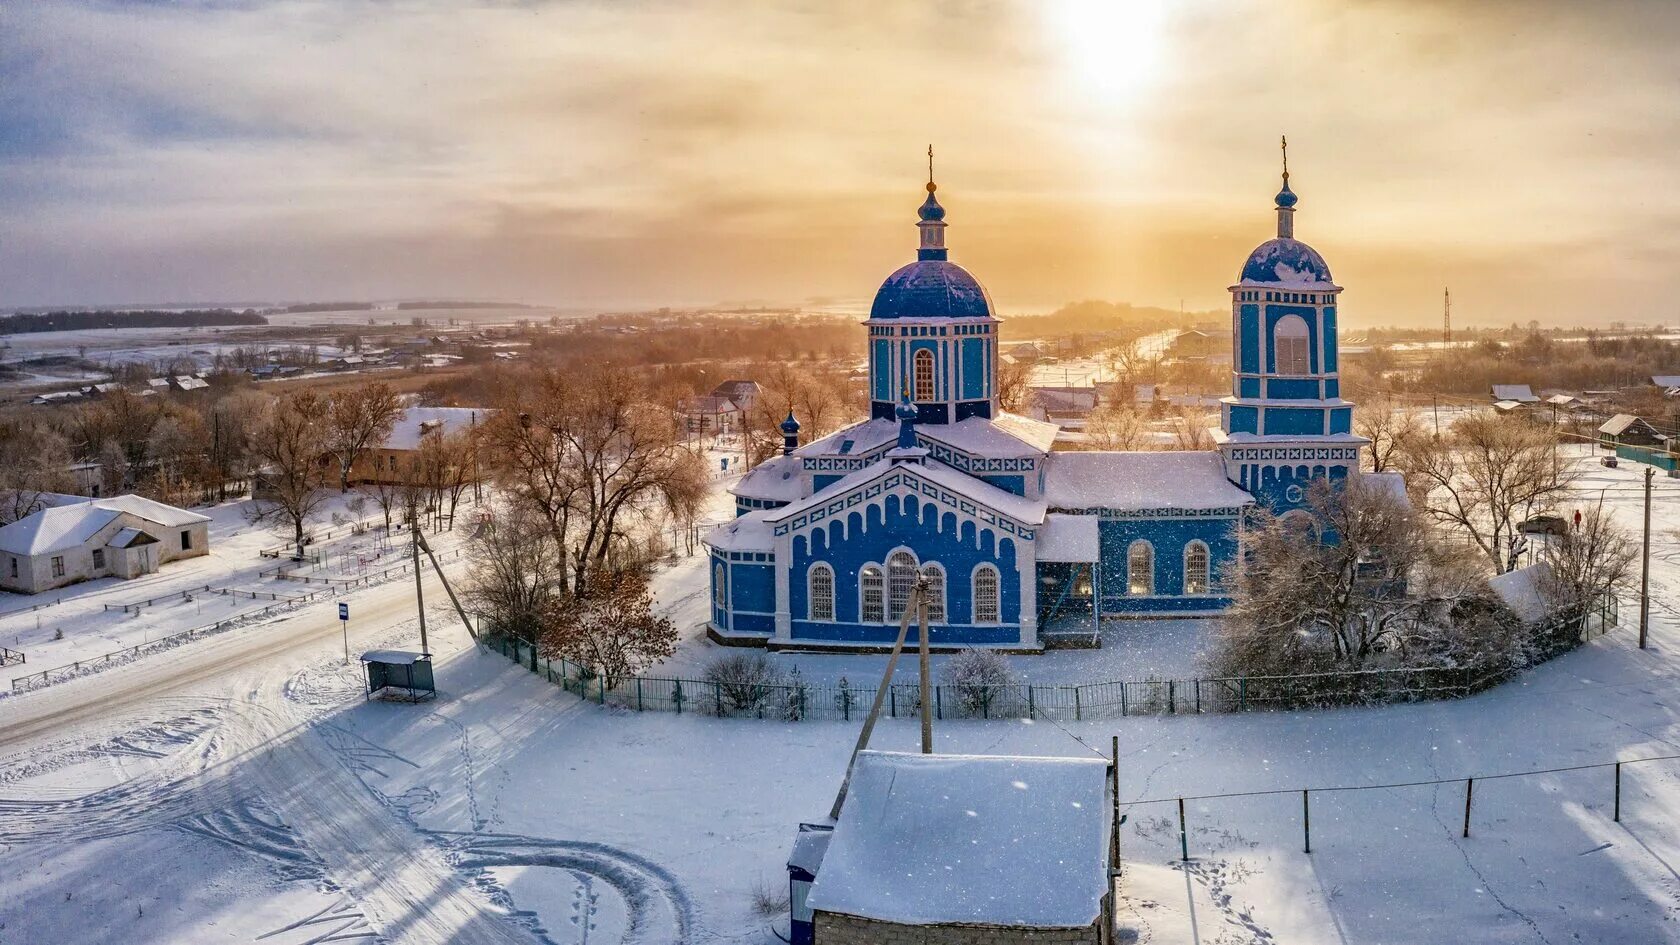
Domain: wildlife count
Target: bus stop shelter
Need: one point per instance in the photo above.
(399, 674)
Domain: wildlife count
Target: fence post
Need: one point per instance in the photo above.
(1242, 694)
(939, 702)
(1469, 790)
(1306, 824)
(1032, 711)
(1617, 815)
(1122, 699)
(1183, 838)
(638, 693)
(601, 678)
(1076, 708)
(892, 709)
(1198, 697)
(717, 694)
(1172, 697)
(677, 696)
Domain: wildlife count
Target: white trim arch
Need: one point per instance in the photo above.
(929, 392)
(1140, 577)
(986, 599)
(1291, 348)
(902, 570)
(819, 600)
(1198, 577)
(720, 586)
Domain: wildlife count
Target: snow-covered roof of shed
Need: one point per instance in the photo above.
(54, 529)
(774, 480)
(1617, 425)
(1137, 481)
(393, 657)
(1666, 380)
(131, 537)
(988, 840)
(1069, 538)
(810, 845)
(748, 532)
(1522, 590)
(416, 421)
(1521, 393)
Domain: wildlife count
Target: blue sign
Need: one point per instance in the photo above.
(344, 611)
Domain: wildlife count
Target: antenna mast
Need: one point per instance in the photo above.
(1446, 319)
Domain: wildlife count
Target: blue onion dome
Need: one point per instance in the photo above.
(930, 210)
(1286, 197)
(931, 288)
(790, 426)
(1286, 262)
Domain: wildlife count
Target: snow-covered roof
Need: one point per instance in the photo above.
(54, 529)
(854, 440)
(69, 526)
(1521, 393)
(1666, 380)
(129, 537)
(393, 657)
(810, 845)
(1137, 481)
(987, 840)
(1522, 591)
(774, 480)
(1007, 435)
(189, 382)
(415, 422)
(1620, 423)
(1068, 538)
(1506, 405)
(1021, 509)
(749, 532)
(1560, 399)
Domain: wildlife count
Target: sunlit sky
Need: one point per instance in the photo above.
(624, 154)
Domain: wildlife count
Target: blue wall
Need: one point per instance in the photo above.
(1244, 420)
(1248, 326)
(1294, 421)
(847, 546)
(1308, 314)
(973, 368)
(1169, 537)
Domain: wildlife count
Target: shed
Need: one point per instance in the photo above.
(965, 848)
(1521, 393)
(1625, 429)
(399, 674)
(809, 847)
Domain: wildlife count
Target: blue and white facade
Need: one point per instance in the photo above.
(939, 481)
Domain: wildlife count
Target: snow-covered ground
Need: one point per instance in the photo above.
(267, 799)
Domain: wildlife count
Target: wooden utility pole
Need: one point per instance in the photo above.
(1645, 563)
(419, 595)
(880, 697)
(920, 595)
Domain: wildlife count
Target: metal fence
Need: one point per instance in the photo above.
(788, 698)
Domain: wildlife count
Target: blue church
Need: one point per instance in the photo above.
(1015, 540)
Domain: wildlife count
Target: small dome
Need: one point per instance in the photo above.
(790, 426)
(1286, 197)
(1286, 262)
(931, 288)
(930, 210)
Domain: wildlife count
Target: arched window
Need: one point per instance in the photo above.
(1140, 569)
(820, 593)
(924, 377)
(986, 609)
(901, 578)
(1196, 578)
(935, 576)
(1290, 344)
(720, 587)
(872, 592)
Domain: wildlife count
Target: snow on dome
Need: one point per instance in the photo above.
(931, 288)
(1286, 262)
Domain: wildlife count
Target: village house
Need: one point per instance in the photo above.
(121, 536)
(390, 461)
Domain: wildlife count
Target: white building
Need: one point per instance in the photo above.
(123, 536)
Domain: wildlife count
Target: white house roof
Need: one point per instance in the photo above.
(129, 537)
(1521, 393)
(1139, 481)
(1619, 424)
(1522, 590)
(1666, 380)
(775, 480)
(749, 532)
(1068, 538)
(994, 840)
(167, 515)
(414, 422)
(55, 529)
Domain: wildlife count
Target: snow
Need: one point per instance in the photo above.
(993, 840)
(416, 421)
(1068, 538)
(54, 529)
(1521, 393)
(749, 532)
(1141, 481)
(855, 440)
(1026, 511)
(393, 657)
(1522, 591)
(777, 480)
(1007, 435)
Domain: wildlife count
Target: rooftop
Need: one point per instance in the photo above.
(1140, 481)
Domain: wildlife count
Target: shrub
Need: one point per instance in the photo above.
(744, 681)
(978, 677)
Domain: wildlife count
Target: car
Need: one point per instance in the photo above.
(1545, 525)
(1609, 461)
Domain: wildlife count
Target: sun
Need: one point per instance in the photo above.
(1112, 46)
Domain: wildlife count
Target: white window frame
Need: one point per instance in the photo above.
(720, 586)
(1205, 571)
(872, 577)
(813, 597)
(935, 574)
(901, 564)
(1132, 550)
(930, 393)
(1298, 351)
(987, 607)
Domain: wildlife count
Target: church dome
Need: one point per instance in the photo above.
(1286, 262)
(931, 288)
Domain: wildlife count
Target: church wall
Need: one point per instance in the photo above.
(1330, 345)
(1308, 314)
(1293, 422)
(1014, 484)
(1170, 537)
(935, 535)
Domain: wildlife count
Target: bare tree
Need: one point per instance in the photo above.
(1389, 425)
(34, 463)
(1116, 426)
(612, 628)
(1193, 429)
(1014, 384)
(359, 418)
(290, 448)
(1593, 557)
(514, 573)
(1483, 478)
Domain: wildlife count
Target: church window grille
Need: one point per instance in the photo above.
(1289, 346)
(986, 609)
(821, 598)
(924, 376)
(869, 584)
(935, 576)
(1140, 569)
(901, 577)
(1196, 566)
(720, 587)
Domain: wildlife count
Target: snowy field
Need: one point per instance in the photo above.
(271, 802)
